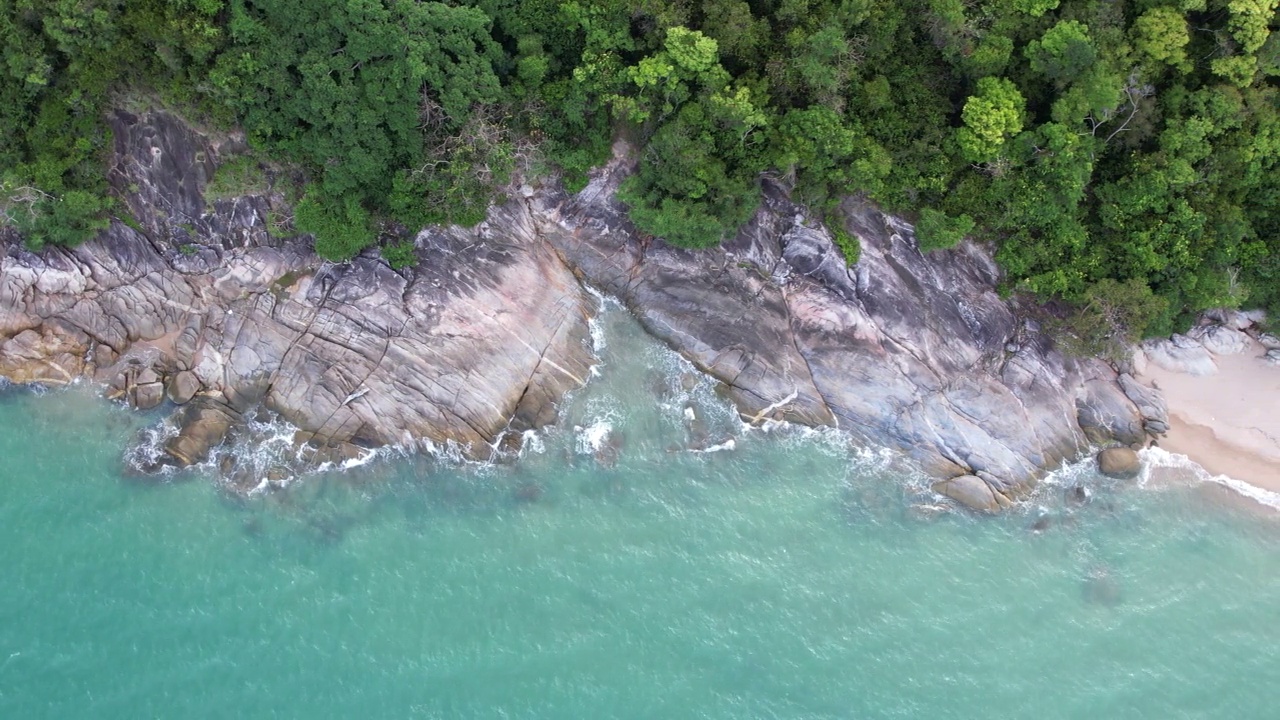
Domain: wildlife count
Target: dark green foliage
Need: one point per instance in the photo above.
(848, 243)
(457, 183)
(347, 87)
(66, 219)
(1113, 315)
(697, 180)
(400, 255)
(937, 231)
(686, 192)
(341, 225)
(828, 154)
(59, 62)
(243, 175)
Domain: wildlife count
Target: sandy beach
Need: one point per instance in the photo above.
(1228, 422)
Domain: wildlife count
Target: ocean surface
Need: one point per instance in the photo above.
(614, 573)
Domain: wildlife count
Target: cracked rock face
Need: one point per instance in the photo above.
(912, 351)
(487, 334)
(203, 306)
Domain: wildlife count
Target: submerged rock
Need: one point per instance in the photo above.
(1078, 495)
(529, 492)
(1100, 587)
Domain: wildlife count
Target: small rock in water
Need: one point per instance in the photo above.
(699, 431)
(1273, 357)
(1078, 495)
(1120, 463)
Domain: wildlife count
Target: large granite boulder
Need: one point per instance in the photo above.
(1220, 339)
(1119, 462)
(182, 387)
(1181, 354)
(204, 425)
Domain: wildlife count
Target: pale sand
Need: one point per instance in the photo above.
(1228, 423)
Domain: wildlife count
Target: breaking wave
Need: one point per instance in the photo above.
(1155, 458)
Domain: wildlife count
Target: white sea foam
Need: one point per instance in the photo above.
(449, 452)
(531, 443)
(729, 444)
(592, 437)
(149, 447)
(1154, 458)
(830, 441)
(1075, 473)
(596, 326)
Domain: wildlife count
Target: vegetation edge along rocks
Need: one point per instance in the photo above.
(1119, 155)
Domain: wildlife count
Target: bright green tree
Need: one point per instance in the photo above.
(991, 116)
(1162, 35)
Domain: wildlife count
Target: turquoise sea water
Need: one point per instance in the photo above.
(785, 577)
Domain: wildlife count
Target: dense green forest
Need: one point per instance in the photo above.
(1119, 154)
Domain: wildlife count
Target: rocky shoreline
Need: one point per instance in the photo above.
(204, 306)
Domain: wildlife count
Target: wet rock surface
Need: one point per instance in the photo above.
(970, 491)
(487, 333)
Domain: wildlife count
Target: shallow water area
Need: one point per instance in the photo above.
(613, 572)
